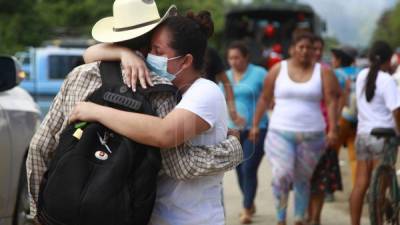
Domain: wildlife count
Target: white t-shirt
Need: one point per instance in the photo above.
(378, 112)
(197, 201)
(205, 99)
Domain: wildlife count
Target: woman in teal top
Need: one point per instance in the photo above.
(247, 82)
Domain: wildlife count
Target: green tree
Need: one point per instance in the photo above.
(330, 42)
(30, 22)
(215, 7)
(20, 25)
(73, 17)
(388, 27)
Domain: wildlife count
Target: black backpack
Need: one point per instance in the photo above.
(96, 176)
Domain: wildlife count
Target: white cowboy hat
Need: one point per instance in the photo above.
(131, 18)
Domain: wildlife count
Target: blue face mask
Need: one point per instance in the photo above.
(159, 65)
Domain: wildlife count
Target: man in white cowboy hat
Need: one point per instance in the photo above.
(180, 163)
(131, 19)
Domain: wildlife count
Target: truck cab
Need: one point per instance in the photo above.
(46, 69)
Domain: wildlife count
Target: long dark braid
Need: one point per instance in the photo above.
(379, 54)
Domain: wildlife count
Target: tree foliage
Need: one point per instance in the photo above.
(74, 17)
(20, 25)
(388, 27)
(215, 7)
(30, 22)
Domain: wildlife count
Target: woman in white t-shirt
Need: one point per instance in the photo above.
(378, 103)
(177, 53)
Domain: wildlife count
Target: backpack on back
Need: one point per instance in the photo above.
(99, 177)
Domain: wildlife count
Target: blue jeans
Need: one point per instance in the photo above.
(247, 170)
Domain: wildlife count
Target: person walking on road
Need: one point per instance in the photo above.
(296, 135)
(346, 73)
(247, 82)
(326, 178)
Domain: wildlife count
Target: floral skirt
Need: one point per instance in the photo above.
(327, 177)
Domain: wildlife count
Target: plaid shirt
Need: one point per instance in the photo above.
(183, 162)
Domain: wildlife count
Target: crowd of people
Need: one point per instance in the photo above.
(317, 108)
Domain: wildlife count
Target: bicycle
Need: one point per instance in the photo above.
(384, 192)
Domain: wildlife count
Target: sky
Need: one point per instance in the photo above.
(352, 22)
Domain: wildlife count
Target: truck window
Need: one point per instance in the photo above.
(61, 65)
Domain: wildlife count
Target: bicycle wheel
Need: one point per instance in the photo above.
(384, 197)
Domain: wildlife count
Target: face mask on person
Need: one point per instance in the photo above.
(159, 65)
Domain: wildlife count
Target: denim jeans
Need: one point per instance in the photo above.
(247, 170)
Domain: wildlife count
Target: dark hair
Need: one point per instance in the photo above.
(319, 39)
(302, 36)
(190, 34)
(345, 60)
(241, 46)
(379, 54)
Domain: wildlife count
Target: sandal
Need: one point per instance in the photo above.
(245, 218)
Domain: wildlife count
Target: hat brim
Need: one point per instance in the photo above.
(103, 30)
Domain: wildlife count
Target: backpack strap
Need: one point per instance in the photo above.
(113, 89)
(111, 77)
(111, 74)
(161, 88)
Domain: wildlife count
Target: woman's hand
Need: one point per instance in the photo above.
(253, 134)
(331, 138)
(85, 111)
(135, 69)
(134, 66)
(239, 121)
